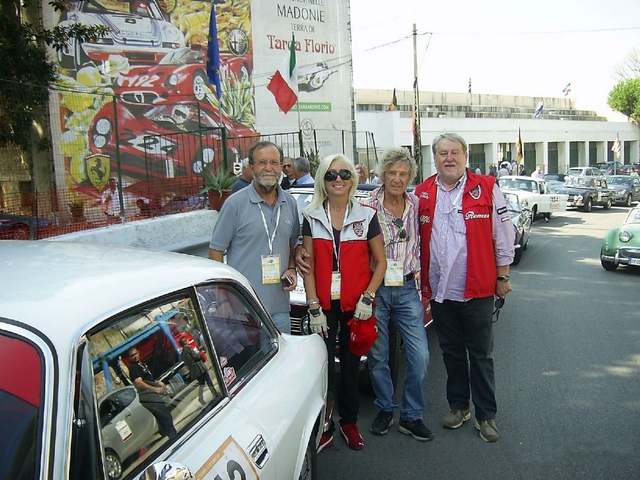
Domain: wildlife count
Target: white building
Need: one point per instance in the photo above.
(559, 138)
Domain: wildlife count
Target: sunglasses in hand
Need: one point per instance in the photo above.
(498, 305)
(332, 175)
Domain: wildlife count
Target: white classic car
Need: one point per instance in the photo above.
(95, 381)
(534, 194)
(139, 31)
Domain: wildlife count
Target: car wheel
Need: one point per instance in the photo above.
(202, 159)
(534, 212)
(517, 257)
(607, 205)
(395, 346)
(20, 232)
(244, 73)
(627, 202)
(113, 464)
(587, 205)
(199, 85)
(607, 265)
(309, 470)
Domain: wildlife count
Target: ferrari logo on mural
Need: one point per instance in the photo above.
(98, 170)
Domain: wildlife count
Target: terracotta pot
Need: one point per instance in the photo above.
(216, 199)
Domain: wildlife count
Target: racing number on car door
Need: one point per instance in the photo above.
(229, 462)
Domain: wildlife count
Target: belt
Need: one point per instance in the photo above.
(409, 276)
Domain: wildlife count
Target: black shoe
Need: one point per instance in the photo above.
(381, 424)
(417, 429)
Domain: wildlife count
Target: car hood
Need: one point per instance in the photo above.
(573, 190)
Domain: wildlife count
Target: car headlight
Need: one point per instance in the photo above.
(173, 80)
(99, 141)
(625, 236)
(578, 198)
(103, 126)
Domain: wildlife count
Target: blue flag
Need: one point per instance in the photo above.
(213, 53)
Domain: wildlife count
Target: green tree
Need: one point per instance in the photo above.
(27, 72)
(625, 98)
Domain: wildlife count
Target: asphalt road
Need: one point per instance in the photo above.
(567, 356)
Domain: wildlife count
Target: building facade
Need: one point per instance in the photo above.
(558, 138)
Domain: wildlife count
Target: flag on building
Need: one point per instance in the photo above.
(213, 54)
(616, 146)
(284, 83)
(394, 102)
(469, 84)
(519, 150)
(567, 90)
(415, 126)
(539, 109)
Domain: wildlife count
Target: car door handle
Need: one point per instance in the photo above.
(258, 451)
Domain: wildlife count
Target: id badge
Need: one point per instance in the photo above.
(394, 276)
(270, 269)
(335, 285)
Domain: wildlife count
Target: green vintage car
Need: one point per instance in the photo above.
(621, 246)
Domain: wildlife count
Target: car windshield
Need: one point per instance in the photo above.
(513, 203)
(554, 176)
(182, 56)
(620, 181)
(633, 217)
(139, 8)
(575, 171)
(518, 184)
(581, 182)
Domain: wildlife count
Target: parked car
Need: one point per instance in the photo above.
(535, 194)
(626, 187)
(138, 30)
(613, 168)
(521, 216)
(69, 409)
(621, 245)
(585, 192)
(21, 227)
(554, 181)
(584, 172)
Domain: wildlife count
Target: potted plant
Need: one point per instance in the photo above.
(217, 186)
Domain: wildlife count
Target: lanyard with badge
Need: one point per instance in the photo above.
(271, 262)
(335, 276)
(394, 275)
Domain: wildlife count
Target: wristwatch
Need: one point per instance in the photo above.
(314, 311)
(366, 300)
(370, 293)
(503, 278)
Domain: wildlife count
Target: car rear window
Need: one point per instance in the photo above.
(20, 408)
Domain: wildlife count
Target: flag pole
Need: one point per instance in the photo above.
(417, 140)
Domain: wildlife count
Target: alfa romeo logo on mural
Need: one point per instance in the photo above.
(238, 42)
(98, 170)
(307, 128)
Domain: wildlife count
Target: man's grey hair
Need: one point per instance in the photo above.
(395, 155)
(302, 164)
(454, 137)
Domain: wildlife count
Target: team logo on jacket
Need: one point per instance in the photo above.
(471, 215)
(358, 229)
(475, 192)
(424, 195)
(425, 219)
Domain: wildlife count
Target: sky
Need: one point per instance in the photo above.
(518, 47)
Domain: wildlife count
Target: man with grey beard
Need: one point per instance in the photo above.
(258, 228)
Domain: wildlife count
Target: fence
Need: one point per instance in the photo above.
(155, 149)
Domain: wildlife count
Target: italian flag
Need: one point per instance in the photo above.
(284, 84)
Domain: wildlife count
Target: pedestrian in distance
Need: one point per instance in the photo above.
(258, 228)
(466, 247)
(341, 240)
(397, 300)
(245, 178)
(287, 170)
(301, 169)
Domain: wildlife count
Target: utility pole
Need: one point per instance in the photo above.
(417, 140)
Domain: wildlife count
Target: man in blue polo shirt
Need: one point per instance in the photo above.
(258, 228)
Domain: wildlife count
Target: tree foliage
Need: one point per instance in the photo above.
(27, 72)
(630, 67)
(625, 98)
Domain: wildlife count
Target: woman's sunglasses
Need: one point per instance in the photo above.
(332, 175)
(399, 223)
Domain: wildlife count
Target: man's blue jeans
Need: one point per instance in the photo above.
(402, 306)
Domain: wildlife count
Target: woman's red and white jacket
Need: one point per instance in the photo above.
(354, 253)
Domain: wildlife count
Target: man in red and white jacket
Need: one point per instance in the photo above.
(466, 247)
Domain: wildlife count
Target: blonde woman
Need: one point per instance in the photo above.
(343, 241)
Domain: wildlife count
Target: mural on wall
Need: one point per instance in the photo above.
(138, 101)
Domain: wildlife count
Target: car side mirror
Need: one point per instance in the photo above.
(165, 470)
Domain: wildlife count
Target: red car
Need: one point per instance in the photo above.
(168, 140)
(179, 76)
